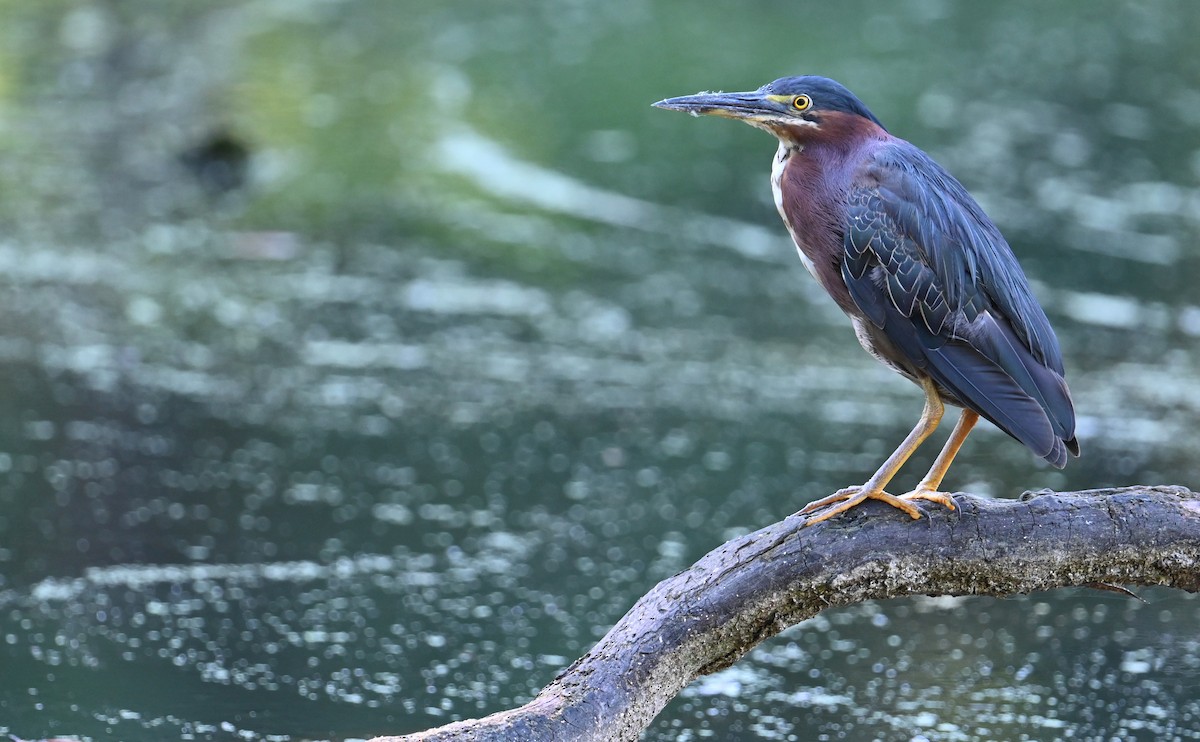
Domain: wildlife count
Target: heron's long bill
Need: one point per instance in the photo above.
(730, 105)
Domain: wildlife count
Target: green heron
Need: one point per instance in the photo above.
(929, 283)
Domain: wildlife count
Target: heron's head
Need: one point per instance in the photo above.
(796, 108)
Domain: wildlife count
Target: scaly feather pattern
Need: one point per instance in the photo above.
(930, 271)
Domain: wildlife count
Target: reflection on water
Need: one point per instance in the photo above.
(497, 172)
(364, 366)
(957, 669)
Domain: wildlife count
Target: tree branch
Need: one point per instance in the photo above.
(751, 588)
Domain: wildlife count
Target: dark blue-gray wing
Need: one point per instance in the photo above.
(930, 270)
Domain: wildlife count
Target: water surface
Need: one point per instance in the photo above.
(366, 361)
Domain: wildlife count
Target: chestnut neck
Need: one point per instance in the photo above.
(837, 130)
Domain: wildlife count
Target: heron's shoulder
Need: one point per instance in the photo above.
(954, 236)
(910, 181)
(896, 161)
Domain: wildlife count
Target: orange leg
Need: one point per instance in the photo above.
(873, 489)
(928, 488)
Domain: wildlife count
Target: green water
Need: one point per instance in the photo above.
(365, 361)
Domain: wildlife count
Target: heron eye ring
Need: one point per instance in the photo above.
(801, 102)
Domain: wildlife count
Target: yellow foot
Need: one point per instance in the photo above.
(943, 498)
(838, 496)
(851, 496)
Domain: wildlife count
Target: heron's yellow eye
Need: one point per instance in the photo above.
(802, 103)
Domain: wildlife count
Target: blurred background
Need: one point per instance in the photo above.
(364, 361)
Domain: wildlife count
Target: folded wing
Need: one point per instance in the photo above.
(928, 268)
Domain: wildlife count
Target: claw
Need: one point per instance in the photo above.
(853, 496)
(838, 496)
(943, 498)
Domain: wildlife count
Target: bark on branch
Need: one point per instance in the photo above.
(753, 587)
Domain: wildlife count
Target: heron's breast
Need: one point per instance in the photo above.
(778, 166)
(810, 195)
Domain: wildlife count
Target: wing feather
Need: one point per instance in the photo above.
(917, 244)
